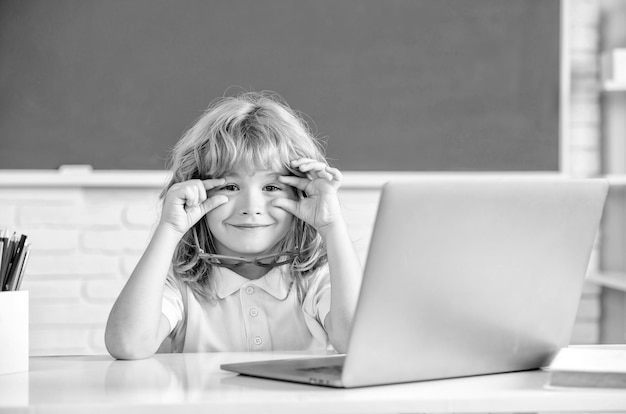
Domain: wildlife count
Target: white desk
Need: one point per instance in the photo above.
(180, 383)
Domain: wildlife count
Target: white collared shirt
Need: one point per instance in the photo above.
(249, 315)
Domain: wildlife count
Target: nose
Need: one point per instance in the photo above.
(252, 203)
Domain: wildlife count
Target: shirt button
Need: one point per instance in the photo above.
(249, 290)
(254, 312)
(258, 341)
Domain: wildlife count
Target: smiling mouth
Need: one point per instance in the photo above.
(250, 226)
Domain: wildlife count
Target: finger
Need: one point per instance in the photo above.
(335, 173)
(195, 213)
(290, 206)
(312, 166)
(194, 193)
(297, 182)
(213, 182)
(185, 195)
(318, 170)
(300, 161)
(325, 174)
(315, 169)
(213, 202)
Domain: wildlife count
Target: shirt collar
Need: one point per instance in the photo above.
(277, 282)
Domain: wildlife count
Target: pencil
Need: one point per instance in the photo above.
(17, 256)
(20, 276)
(1, 261)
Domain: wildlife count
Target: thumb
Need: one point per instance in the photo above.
(213, 202)
(290, 206)
(199, 211)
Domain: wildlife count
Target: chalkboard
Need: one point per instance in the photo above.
(398, 85)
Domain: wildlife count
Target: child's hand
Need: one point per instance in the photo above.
(187, 202)
(320, 208)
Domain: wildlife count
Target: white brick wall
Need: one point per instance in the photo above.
(87, 240)
(584, 135)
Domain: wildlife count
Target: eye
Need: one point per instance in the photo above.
(272, 187)
(230, 187)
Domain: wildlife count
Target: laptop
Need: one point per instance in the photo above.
(465, 275)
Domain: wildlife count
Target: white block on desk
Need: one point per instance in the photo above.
(14, 330)
(614, 66)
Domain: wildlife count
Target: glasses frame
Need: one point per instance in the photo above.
(261, 261)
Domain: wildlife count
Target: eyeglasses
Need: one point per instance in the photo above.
(269, 260)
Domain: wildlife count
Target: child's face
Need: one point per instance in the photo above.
(248, 225)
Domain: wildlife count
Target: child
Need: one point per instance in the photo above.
(250, 240)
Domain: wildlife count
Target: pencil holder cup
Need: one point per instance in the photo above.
(14, 331)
